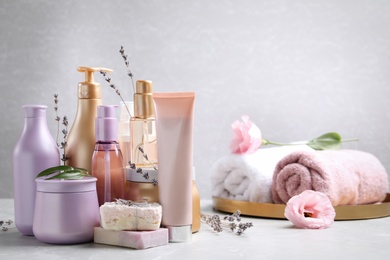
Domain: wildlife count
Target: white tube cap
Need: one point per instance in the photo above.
(178, 234)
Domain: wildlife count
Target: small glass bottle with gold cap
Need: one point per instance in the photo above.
(143, 142)
(141, 185)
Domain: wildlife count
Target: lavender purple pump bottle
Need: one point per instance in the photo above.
(107, 161)
(35, 151)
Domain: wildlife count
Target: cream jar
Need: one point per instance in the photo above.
(141, 186)
(66, 211)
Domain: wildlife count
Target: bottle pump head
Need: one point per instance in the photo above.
(106, 123)
(89, 89)
(143, 99)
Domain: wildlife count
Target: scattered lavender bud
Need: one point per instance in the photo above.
(230, 222)
(103, 73)
(233, 226)
(121, 50)
(132, 165)
(65, 121)
(8, 223)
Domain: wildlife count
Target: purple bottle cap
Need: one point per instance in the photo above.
(106, 124)
(34, 110)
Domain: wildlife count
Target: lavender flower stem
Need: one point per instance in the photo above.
(127, 108)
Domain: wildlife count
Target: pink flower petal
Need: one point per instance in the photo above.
(246, 136)
(310, 209)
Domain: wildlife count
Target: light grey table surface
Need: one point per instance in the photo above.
(268, 239)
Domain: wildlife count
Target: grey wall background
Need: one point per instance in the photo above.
(297, 68)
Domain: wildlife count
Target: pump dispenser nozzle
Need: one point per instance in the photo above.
(106, 124)
(89, 72)
(89, 88)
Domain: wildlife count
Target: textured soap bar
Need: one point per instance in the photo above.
(131, 216)
(132, 239)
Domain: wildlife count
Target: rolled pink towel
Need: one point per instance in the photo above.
(347, 177)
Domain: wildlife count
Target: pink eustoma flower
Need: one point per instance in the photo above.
(246, 136)
(310, 209)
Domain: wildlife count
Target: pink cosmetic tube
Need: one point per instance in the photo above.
(174, 126)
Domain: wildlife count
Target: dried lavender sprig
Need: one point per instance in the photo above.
(131, 203)
(57, 117)
(155, 182)
(233, 217)
(144, 175)
(231, 222)
(129, 73)
(213, 221)
(147, 158)
(8, 223)
(132, 165)
(108, 79)
(65, 142)
(64, 131)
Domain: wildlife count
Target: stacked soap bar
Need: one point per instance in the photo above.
(130, 224)
(131, 239)
(124, 215)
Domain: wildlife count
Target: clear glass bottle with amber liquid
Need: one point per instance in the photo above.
(143, 142)
(142, 176)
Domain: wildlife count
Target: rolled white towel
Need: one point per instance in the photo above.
(248, 177)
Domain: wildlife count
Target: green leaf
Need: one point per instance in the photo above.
(64, 172)
(55, 169)
(84, 171)
(331, 141)
(68, 175)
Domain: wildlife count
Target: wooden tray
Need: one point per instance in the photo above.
(269, 210)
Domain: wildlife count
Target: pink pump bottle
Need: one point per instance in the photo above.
(107, 162)
(34, 152)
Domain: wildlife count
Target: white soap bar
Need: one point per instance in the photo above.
(135, 216)
(132, 239)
